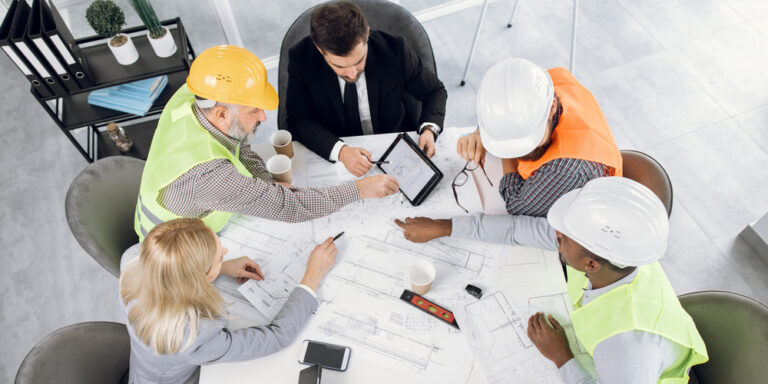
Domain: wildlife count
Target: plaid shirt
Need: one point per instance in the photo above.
(534, 196)
(217, 185)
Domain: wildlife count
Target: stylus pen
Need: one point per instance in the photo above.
(337, 236)
(380, 162)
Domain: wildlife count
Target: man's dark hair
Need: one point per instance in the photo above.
(338, 27)
(608, 264)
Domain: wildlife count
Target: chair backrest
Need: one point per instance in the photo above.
(94, 352)
(382, 15)
(644, 169)
(735, 331)
(100, 207)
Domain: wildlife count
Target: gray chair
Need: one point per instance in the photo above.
(644, 169)
(735, 331)
(94, 352)
(100, 207)
(382, 15)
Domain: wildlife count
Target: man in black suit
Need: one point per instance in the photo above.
(346, 80)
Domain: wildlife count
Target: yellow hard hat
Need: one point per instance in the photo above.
(232, 75)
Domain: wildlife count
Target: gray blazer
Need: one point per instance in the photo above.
(215, 343)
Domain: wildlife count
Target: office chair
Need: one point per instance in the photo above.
(644, 169)
(735, 331)
(381, 15)
(93, 352)
(100, 206)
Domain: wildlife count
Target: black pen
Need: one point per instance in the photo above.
(337, 236)
(380, 162)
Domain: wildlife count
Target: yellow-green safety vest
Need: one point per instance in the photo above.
(179, 144)
(647, 304)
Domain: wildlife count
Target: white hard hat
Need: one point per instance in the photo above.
(513, 104)
(615, 218)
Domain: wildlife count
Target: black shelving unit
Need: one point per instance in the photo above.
(73, 111)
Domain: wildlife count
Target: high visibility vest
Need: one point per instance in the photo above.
(647, 304)
(581, 133)
(179, 144)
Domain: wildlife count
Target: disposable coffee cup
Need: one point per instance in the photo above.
(283, 142)
(421, 274)
(280, 168)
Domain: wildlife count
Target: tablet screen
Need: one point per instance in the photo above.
(410, 170)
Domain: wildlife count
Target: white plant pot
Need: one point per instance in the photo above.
(164, 46)
(125, 54)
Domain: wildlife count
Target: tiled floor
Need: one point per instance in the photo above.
(683, 80)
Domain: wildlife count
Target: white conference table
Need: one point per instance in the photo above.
(283, 366)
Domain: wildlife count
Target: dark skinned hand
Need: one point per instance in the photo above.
(550, 340)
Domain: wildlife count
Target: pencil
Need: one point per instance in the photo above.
(337, 236)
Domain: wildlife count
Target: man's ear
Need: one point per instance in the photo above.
(318, 48)
(592, 265)
(553, 108)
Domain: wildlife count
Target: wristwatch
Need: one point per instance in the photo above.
(432, 128)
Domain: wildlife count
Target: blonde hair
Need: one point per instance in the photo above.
(169, 286)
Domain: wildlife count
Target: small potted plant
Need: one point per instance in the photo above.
(159, 36)
(106, 18)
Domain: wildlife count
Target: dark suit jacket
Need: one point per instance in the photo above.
(314, 110)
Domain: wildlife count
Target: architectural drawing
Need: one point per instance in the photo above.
(282, 273)
(497, 333)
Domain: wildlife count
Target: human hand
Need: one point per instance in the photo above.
(320, 262)
(242, 269)
(550, 341)
(356, 160)
(423, 229)
(470, 147)
(375, 187)
(427, 142)
(284, 184)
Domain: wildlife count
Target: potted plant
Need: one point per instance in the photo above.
(106, 18)
(159, 36)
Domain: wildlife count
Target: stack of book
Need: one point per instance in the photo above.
(136, 97)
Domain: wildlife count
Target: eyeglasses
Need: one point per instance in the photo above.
(461, 179)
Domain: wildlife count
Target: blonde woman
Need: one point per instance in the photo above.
(175, 316)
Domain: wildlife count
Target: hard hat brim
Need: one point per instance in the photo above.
(511, 149)
(556, 214)
(271, 100)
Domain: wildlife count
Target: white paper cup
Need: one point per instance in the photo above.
(283, 142)
(280, 168)
(421, 275)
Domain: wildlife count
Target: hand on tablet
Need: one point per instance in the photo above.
(356, 160)
(375, 187)
(427, 142)
(470, 147)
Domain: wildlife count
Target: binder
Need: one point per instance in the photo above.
(22, 42)
(35, 33)
(38, 85)
(59, 34)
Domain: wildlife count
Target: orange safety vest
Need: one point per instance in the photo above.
(582, 132)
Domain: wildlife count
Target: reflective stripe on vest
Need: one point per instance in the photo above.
(582, 132)
(179, 144)
(647, 304)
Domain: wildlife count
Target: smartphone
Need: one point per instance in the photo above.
(328, 356)
(311, 375)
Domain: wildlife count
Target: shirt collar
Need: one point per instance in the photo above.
(228, 142)
(591, 294)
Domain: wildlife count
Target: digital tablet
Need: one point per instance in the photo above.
(414, 171)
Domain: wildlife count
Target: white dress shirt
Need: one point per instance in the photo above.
(364, 108)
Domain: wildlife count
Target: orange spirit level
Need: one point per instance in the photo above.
(429, 307)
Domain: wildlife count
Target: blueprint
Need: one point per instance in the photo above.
(282, 273)
(496, 325)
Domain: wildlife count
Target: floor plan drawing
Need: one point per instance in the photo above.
(282, 273)
(496, 330)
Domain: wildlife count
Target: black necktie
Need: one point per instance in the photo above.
(350, 106)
